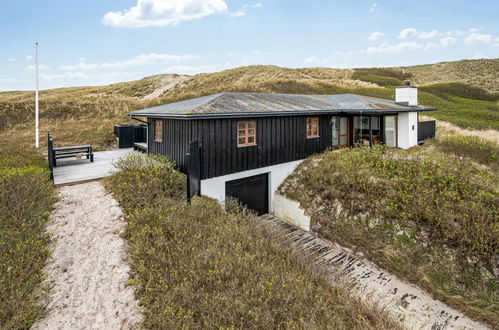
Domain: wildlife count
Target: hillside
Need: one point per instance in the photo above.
(90, 112)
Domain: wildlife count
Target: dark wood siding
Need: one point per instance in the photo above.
(279, 140)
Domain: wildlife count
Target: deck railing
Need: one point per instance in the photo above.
(426, 130)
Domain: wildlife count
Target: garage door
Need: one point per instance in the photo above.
(252, 191)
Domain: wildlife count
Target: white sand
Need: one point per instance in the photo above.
(88, 270)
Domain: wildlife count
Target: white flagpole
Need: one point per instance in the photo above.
(37, 138)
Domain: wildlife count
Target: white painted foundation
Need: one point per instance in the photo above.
(215, 187)
(407, 128)
(290, 211)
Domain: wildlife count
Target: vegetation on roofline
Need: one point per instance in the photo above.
(428, 216)
(198, 266)
(26, 198)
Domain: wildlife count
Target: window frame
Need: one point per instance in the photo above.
(310, 124)
(246, 134)
(158, 128)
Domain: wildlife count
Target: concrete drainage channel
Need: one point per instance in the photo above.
(411, 305)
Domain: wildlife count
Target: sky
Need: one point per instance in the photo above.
(96, 42)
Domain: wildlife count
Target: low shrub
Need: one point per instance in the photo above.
(379, 80)
(26, 198)
(141, 180)
(444, 90)
(198, 266)
(431, 219)
(476, 148)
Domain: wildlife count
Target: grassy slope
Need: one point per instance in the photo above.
(482, 73)
(429, 217)
(221, 270)
(87, 114)
(23, 241)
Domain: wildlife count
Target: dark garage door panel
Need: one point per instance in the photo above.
(251, 191)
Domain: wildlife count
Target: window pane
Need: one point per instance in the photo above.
(251, 132)
(335, 126)
(241, 125)
(242, 133)
(343, 125)
(251, 139)
(241, 141)
(251, 124)
(343, 140)
(390, 131)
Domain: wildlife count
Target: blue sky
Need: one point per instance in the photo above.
(96, 42)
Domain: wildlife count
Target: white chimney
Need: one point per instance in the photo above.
(406, 94)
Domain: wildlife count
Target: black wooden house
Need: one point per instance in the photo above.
(249, 142)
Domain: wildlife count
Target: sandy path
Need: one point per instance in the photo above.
(88, 270)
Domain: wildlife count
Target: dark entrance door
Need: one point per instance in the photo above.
(252, 191)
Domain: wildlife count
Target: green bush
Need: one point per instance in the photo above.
(380, 80)
(444, 90)
(383, 72)
(26, 198)
(198, 266)
(433, 220)
(478, 149)
(141, 180)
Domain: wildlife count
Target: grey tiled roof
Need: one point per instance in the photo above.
(267, 103)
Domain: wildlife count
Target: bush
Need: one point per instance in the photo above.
(433, 220)
(478, 149)
(444, 90)
(141, 180)
(198, 266)
(26, 198)
(380, 80)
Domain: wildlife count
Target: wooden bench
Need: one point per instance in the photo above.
(68, 152)
(140, 147)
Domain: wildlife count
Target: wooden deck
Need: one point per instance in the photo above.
(71, 171)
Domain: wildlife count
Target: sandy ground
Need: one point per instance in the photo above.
(87, 272)
(167, 83)
(413, 307)
(445, 128)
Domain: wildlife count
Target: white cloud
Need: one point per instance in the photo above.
(243, 10)
(29, 57)
(64, 76)
(163, 12)
(447, 41)
(427, 35)
(412, 32)
(496, 42)
(186, 69)
(376, 35)
(11, 59)
(238, 13)
(389, 48)
(315, 60)
(373, 7)
(40, 67)
(140, 60)
(478, 38)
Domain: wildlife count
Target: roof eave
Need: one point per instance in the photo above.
(274, 113)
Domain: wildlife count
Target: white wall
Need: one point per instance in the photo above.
(407, 127)
(290, 211)
(215, 187)
(407, 94)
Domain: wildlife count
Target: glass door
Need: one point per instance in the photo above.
(343, 132)
(391, 131)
